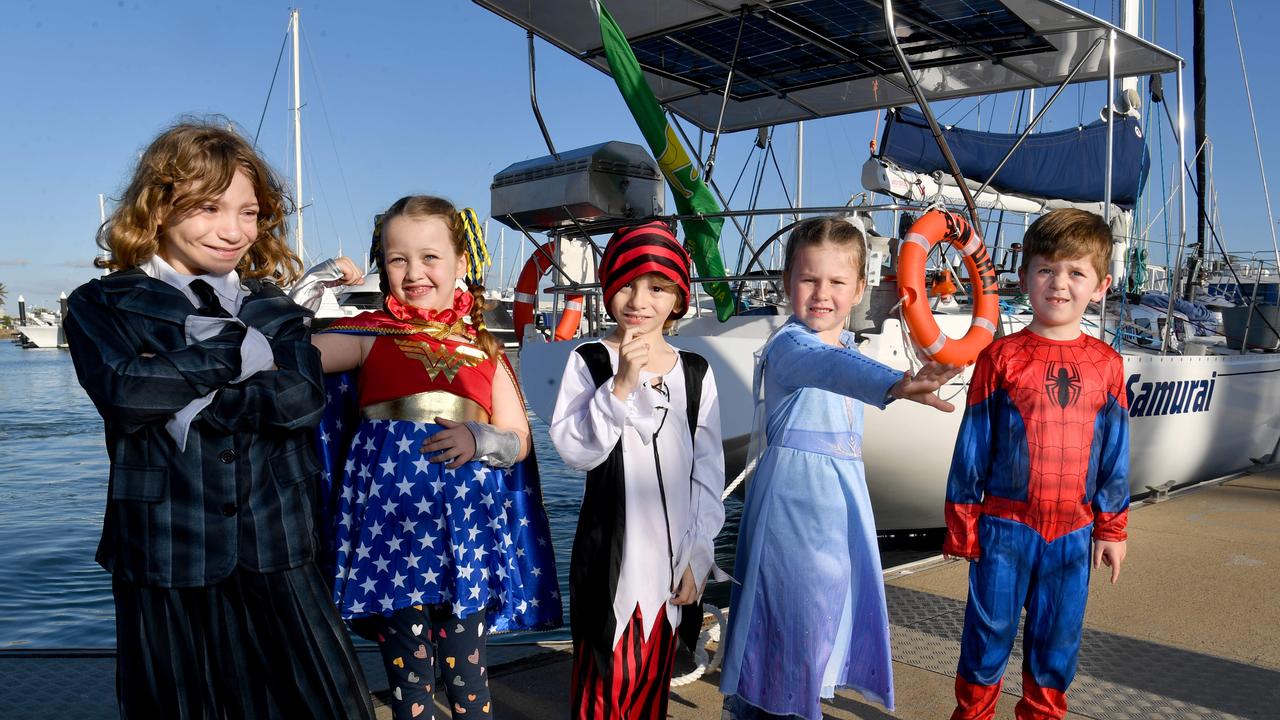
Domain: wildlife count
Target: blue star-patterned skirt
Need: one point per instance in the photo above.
(411, 532)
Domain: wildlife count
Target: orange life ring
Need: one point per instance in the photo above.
(527, 297)
(932, 228)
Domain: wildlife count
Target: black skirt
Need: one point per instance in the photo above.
(255, 645)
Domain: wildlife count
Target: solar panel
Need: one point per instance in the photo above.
(811, 43)
(804, 59)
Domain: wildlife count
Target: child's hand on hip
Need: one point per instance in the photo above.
(1111, 554)
(454, 446)
(686, 591)
(633, 354)
(920, 387)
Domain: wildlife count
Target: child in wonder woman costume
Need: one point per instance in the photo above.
(440, 535)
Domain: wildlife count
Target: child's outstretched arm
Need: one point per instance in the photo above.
(797, 357)
(338, 351)
(922, 386)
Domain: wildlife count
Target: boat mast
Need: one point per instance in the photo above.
(502, 260)
(102, 220)
(1197, 54)
(297, 137)
(1130, 22)
(799, 167)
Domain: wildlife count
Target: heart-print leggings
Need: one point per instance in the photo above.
(412, 641)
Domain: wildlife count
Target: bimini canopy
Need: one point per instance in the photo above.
(1063, 165)
(804, 59)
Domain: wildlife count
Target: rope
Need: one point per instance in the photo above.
(908, 344)
(704, 663)
(274, 74)
(728, 490)
(1257, 142)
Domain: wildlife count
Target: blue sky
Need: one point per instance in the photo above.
(431, 96)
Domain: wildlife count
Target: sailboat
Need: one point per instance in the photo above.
(1199, 409)
(343, 301)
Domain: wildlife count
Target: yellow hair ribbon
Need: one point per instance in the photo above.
(477, 251)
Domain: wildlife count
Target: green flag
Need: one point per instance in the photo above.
(691, 193)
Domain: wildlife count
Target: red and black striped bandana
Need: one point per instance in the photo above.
(640, 249)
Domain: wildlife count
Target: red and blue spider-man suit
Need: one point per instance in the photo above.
(1040, 468)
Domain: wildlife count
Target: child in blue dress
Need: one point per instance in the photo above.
(810, 614)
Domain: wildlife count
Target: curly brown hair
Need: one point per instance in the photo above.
(191, 163)
(421, 207)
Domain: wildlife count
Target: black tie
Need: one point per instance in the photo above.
(209, 305)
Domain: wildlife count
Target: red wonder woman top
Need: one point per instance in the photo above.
(418, 351)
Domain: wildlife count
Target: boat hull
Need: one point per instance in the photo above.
(41, 336)
(1195, 418)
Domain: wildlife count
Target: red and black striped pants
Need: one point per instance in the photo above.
(637, 682)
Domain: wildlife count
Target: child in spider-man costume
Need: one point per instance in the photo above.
(1039, 477)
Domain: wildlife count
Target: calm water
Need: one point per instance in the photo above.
(53, 486)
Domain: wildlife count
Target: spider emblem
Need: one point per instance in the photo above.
(1062, 383)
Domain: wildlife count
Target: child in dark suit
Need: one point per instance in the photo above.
(209, 388)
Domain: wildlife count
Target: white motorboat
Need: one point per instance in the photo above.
(41, 336)
(39, 328)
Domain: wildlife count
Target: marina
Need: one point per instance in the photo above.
(1191, 630)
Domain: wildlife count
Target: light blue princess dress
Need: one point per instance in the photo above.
(810, 614)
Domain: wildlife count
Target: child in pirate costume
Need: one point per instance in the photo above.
(643, 420)
(440, 531)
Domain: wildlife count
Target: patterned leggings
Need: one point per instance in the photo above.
(411, 639)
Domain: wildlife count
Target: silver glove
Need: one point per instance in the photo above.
(309, 290)
(494, 446)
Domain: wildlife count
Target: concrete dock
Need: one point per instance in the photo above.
(1192, 630)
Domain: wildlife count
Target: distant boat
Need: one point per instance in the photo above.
(39, 328)
(497, 317)
(41, 336)
(351, 300)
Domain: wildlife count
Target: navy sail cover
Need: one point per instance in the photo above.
(1064, 165)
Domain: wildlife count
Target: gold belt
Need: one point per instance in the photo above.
(425, 407)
